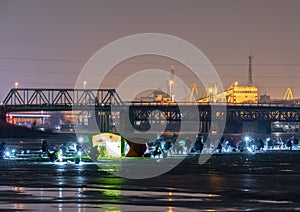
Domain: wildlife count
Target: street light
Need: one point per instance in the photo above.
(170, 83)
(16, 84)
(84, 84)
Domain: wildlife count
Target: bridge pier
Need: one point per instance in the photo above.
(101, 118)
(204, 126)
(124, 122)
(2, 115)
(256, 126)
(103, 121)
(233, 126)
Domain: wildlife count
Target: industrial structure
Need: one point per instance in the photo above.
(288, 95)
(235, 94)
(193, 91)
(250, 80)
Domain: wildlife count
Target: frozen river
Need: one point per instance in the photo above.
(235, 182)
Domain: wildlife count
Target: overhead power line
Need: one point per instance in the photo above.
(143, 63)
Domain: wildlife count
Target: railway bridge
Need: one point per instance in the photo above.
(103, 104)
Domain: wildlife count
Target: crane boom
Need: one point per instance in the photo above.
(193, 89)
(288, 94)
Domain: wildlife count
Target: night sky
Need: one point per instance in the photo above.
(46, 43)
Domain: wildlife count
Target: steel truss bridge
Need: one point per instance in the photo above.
(241, 112)
(107, 100)
(31, 99)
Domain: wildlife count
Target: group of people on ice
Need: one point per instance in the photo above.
(225, 145)
(252, 144)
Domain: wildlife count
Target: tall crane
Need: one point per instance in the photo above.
(288, 94)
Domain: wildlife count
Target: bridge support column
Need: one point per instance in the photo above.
(260, 126)
(102, 121)
(204, 126)
(257, 126)
(267, 126)
(2, 116)
(125, 125)
(233, 126)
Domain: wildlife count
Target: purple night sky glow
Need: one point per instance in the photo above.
(46, 43)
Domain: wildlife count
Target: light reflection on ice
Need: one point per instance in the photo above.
(168, 194)
(271, 201)
(72, 199)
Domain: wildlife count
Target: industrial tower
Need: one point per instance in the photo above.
(250, 81)
(236, 93)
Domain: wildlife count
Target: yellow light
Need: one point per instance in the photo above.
(170, 209)
(170, 198)
(16, 84)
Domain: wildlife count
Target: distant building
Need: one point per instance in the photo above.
(265, 99)
(242, 94)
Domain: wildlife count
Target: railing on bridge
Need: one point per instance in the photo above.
(33, 97)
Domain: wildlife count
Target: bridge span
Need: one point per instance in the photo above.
(104, 102)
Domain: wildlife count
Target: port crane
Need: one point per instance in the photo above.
(288, 94)
(193, 89)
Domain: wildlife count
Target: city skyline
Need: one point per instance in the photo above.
(46, 43)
